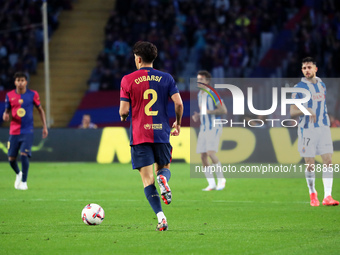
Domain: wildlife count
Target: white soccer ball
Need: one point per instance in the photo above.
(92, 214)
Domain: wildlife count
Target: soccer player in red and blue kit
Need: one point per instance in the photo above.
(20, 103)
(147, 92)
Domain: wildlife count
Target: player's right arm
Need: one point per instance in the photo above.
(179, 113)
(195, 116)
(124, 107)
(295, 111)
(124, 110)
(5, 115)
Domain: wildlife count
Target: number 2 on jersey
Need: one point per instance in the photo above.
(151, 103)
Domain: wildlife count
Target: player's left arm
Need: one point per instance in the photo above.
(43, 121)
(124, 109)
(36, 102)
(178, 103)
(221, 109)
(176, 98)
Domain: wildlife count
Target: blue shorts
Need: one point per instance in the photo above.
(21, 142)
(146, 154)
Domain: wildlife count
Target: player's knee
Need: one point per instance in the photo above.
(159, 167)
(148, 181)
(11, 158)
(211, 153)
(310, 162)
(23, 154)
(327, 161)
(204, 156)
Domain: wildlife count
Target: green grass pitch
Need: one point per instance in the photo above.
(251, 216)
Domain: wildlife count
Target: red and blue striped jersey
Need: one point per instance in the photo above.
(21, 106)
(148, 91)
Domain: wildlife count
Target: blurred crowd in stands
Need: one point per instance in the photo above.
(229, 38)
(226, 37)
(21, 35)
(318, 35)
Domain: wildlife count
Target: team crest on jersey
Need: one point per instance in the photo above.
(21, 112)
(21, 101)
(303, 150)
(147, 126)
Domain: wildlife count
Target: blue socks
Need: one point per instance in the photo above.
(151, 192)
(14, 166)
(25, 165)
(165, 172)
(152, 195)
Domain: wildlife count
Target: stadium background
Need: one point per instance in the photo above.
(90, 50)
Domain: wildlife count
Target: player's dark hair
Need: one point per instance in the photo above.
(146, 50)
(20, 75)
(308, 60)
(206, 74)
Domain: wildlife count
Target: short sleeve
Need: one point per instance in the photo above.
(7, 104)
(296, 95)
(124, 90)
(172, 87)
(324, 87)
(36, 99)
(216, 99)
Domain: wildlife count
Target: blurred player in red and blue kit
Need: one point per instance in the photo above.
(147, 92)
(20, 102)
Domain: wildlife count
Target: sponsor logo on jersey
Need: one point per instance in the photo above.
(319, 96)
(21, 112)
(153, 126)
(157, 126)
